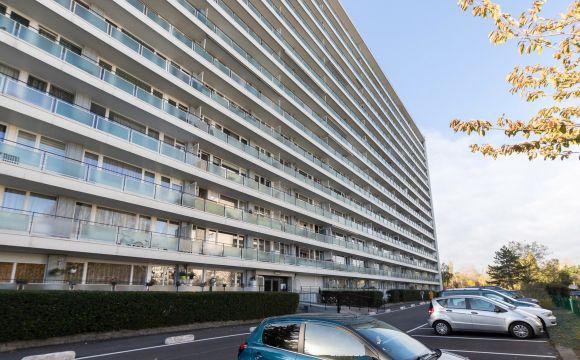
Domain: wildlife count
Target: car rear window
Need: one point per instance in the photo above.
(282, 336)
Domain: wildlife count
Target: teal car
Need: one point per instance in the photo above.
(335, 336)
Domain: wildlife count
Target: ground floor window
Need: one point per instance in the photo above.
(30, 272)
(6, 271)
(163, 275)
(101, 273)
(74, 272)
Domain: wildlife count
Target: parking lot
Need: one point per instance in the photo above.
(471, 345)
(222, 343)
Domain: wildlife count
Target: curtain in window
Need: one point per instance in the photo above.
(42, 204)
(121, 168)
(5, 271)
(101, 273)
(52, 146)
(30, 272)
(117, 218)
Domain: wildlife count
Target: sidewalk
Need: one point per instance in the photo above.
(321, 308)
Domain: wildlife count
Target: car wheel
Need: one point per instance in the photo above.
(442, 328)
(521, 330)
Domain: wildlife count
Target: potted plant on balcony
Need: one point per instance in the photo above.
(55, 271)
(20, 283)
(150, 283)
(113, 281)
(183, 276)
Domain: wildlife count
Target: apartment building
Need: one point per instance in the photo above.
(243, 144)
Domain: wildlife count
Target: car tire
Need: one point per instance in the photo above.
(521, 330)
(442, 328)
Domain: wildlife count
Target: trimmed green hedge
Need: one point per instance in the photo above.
(402, 295)
(27, 315)
(360, 298)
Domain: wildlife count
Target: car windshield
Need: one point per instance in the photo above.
(506, 293)
(505, 304)
(392, 341)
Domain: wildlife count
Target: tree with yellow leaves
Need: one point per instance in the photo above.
(553, 132)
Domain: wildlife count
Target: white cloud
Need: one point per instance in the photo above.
(481, 204)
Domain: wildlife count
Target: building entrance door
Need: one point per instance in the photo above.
(275, 284)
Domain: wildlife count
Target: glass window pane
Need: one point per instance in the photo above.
(42, 204)
(62, 94)
(480, 304)
(37, 83)
(127, 122)
(2, 132)
(83, 211)
(52, 146)
(329, 342)
(91, 159)
(13, 199)
(105, 273)
(456, 303)
(282, 336)
(69, 45)
(121, 168)
(30, 272)
(98, 109)
(25, 138)
(9, 71)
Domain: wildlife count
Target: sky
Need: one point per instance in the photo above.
(441, 64)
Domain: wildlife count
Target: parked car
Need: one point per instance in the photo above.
(546, 317)
(512, 293)
(480, 313)
(333, 336)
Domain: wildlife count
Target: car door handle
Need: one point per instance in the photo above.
(474, 312)
(449, 310)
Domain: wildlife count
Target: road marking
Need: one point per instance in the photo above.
(498, 353)
(476, 338)
(392, 311)
(418, 327)
(158, 346)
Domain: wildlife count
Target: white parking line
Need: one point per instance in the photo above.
(498, 353)
(475, 338)
(158, 346)
(417, 328)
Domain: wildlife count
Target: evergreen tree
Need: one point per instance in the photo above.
(507, 269)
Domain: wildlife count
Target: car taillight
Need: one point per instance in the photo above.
(242, 347)
(431, 309)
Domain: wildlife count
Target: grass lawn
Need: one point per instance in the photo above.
(567, 332)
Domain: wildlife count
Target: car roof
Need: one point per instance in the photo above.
(339, 319)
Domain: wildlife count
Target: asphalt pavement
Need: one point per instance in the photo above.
(222, 343)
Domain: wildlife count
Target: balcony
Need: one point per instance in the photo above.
(19, 90)
(63, 228)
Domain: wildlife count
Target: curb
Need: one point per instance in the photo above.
(17, 345)
(64, 355)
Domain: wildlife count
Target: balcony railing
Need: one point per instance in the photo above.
(30, 223)
(89, 66)
(21, 155)
(322, 122)
(117, 130)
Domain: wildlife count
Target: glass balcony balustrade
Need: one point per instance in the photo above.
(421, 165)
(64, 228)
(22, 91)
(130, 88)
(197, 48)
(18, 154)
(124, 85)
(306, 86)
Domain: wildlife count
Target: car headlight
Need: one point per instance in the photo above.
(547, 313)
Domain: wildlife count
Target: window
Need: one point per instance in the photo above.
(70, 46)
(2, 132)
(52, 146)
(19, 19)
(98, 109)
(121, 168)
(115, 217)
(37, 83)
(9, 71)
(62, 94)
(453, 303)
(282, 336)
(329, 342)
(47, 33)
(83, 211)
(30, 272)
(127, 122)
(130, 78)
(92, 160)
(103, 273)
(167, 227)
(480, 304)
(5, 268)
(42, 204)
(13, 199)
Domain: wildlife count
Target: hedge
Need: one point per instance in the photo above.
(361, 298)
(27, 315)
(402, 295)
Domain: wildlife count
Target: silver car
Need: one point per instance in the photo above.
(479, 313)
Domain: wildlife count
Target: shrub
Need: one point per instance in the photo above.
(402, 295)
(357, 298)
(30, 315)
(558, 290)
